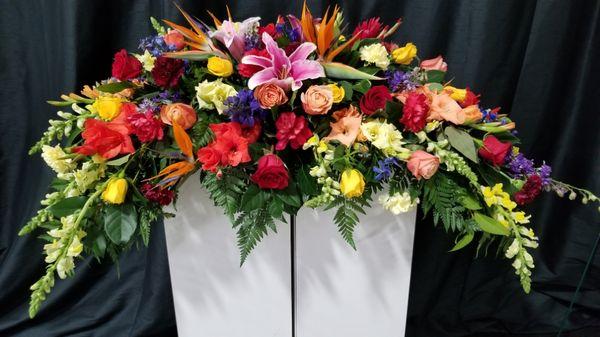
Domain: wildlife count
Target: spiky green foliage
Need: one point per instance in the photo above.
(225, 191)
(201, 134)
(441, 196)
(251, 227)
(346, 216)
(148, 216)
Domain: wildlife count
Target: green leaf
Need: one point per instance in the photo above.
(346, 72)
(118, 161)
(348, 92)
(99, 246)
(465, 240)
(120, 222)
(276, 208)
(59, 184)
(393, 110)
(67, 206)
(490, 225)
(113, 88)
(435, 76)
(435, 87)
(254, 198)
(362, 86)
(492, 177)
(371, 70)
(192, 55)
(290, 196)
(307, 183)
(469, 202)
(462, 142)
(365, 42)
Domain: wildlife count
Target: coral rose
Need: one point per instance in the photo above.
(422, 164)
(317, 100)
(180, 113)
(175, 39)
(270, 95)
(436, 63)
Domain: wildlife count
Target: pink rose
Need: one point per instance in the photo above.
(174, 38)
(422, 164)
(317, 100)
(182, 114)
(436, 63)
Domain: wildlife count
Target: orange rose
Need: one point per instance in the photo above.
(317, 100)
(472, 114)
(269, 95)
(422, 164)
(180, 113)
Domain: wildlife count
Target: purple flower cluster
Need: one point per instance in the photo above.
(383, 170)
(251, 41)
(155, 45)
(522, 168)
(399, 80)
(244, 108)
(153, 103)
(293, 34)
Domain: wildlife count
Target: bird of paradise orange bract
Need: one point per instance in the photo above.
(172, 173)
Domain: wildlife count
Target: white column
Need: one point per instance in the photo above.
(213, 296)
(342, 292)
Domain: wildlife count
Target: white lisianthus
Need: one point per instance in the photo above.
(211, 95)
(57, 159)
(375, 53)
(398, 202)
(385, 137)
(146, 59)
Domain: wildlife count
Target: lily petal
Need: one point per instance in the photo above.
(261, 77)
(257, 61)
(302, 51)
(280, 60)
(307, 69)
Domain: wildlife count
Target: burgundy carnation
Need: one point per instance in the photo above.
(157, 194)
(125, 67)
(167, 71)
(146, 126)
(529, 191)
(269, 29)
(375, 99)
(415, 112)
(291, 129)
(494, 151)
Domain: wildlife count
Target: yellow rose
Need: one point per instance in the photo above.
(107, 107)
(404, 55)
(352, 183)
(115, 191)
(456, 94)
(338, 93)
(220, 66)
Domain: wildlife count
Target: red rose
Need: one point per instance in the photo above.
(155, 193)
(494, 151)
(125, 67)
(271, 173)
(470, 99)
(291, 129)
(209, 157)
(529, 191)
(415, 112)
(247, 70)
(108, 139)
(375, 99)
(167, 71)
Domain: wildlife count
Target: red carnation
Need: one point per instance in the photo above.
(108, 139)
(155, 193)
(529, 191)
(247, 70)
(167, 71)
(209, 157)
(494, 151)
(415, 112)
(375, 99)
(125, 67)
(271, 173)
(146, 126)
(291, 129)
(269, 29)
(470, 99)
(369, 29)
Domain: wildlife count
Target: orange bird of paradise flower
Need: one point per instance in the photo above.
(172, 173)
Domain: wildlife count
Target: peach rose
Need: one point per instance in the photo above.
(436, 63)
(443, 107)
(180, 113)
(269, 95)
(317, 100)
(347, 125)
(422, 164)
(472, 114)
(174, 38)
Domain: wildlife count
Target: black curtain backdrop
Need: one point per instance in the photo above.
(536, 59)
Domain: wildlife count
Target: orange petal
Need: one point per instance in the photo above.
(192, 22)
(185, 31)
(183, 140)
(217, 22)
(339, 49)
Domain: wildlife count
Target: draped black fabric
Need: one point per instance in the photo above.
(538, 60)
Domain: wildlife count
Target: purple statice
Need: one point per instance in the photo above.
(399, 80)
(251, 41)
(383, 170)
(148, 104)
(155, 45)
(244, 108)
(520, 166)
(544, 172)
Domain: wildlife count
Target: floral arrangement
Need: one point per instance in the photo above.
(275, 117)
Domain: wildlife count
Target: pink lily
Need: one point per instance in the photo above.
(232, 34)
(282, 70)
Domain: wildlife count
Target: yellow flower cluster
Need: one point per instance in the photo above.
(385, 137)
(497, 196)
